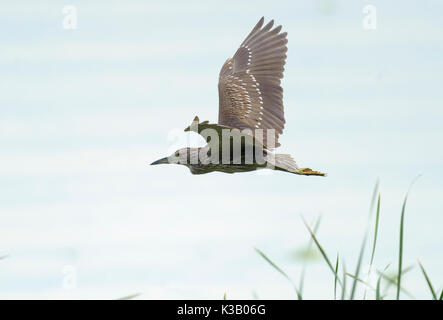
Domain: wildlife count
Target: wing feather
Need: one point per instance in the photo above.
(250, 92)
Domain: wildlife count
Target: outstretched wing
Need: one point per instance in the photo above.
(250, 95)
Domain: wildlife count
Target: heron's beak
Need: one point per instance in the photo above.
(161, 161)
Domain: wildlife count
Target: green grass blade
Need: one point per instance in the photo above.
(374, 195)
(224, 296)
(299, 296)
(434, 295)
(371, 209)
(303, 271)
(272, 263)
(343, 287)
(360, 280)
(301, 283)
(441, 295)
(392, 280)
(400, 251)
(320, 248)
(377, 218)
(335, 279)
(130, 297)
(314, 230)
(378, 288)
(358, 267)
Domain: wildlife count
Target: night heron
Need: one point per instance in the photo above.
(250, 112)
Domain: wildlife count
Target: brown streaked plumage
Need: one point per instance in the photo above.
(250, 98)
(250, 95)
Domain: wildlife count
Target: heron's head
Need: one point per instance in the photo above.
(181, 156)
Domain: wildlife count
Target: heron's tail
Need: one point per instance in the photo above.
(285, 162)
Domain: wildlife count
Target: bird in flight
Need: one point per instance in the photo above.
(251, 116)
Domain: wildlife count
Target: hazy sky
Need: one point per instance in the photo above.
(83, 112)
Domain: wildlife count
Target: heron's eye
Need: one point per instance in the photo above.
(177, 154)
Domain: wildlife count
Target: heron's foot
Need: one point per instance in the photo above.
(309, 172)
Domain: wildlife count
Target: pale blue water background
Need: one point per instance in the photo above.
(83, 112)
